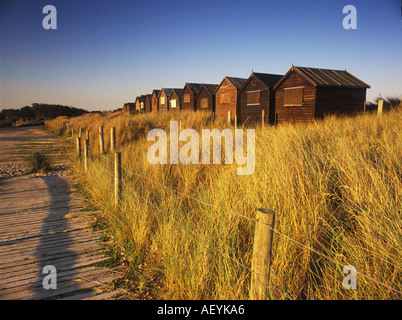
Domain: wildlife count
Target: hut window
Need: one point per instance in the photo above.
(163, 100)
(173, 103)
(204, 103)
(224, 98)
(293, 96)
(142, 105)
(186, 98)
(253, 97)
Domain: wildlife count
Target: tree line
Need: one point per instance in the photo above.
(40, 111)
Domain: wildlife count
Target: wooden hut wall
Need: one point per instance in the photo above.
(205, 100)
(339, 101)
(174, 101)
(227, 98)
(155, 101)
(163, 101)
(255, 97)
(300, 100)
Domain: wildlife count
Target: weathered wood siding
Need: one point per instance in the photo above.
(163, 102)
(253, 113)
(137, 104)
(205, 100)
(295, 114)
(188, 100)
(227, 99)
(154, 103)
(148, 102)
(174, 97)
(339, 101)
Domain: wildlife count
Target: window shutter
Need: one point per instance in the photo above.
(293, 96)
(204, 103)
(253, 97)
(186, 98)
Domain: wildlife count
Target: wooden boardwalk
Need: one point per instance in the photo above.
(41, 223)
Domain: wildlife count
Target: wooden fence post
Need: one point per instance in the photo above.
(263, 118)
(112, 139)
(229, 118)
(79, 148)
(101, 145)
(88, 135)
(72, 132)
(261, 260)
(117, 177)
(380, 104)
(86, 154)
(36, 157)
(235, 122)
(80, 133)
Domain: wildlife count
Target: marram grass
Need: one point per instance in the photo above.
(335, 185)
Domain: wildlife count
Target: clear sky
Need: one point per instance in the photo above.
(105, 53)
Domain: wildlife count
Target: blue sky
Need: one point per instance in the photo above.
(105, 53)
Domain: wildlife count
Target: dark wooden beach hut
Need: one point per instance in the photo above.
(256, 95)
(174, 100)
(148, 103)
(206, 97)
(163, 99)
(129, 107)
(227, 97)
(189, 96)
(155, 101)
(304, 94)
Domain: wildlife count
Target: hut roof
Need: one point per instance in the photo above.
(327, 78)
(268, 79)
(210, 87)
(167, 91)
(236, 82)
(177, 91)
(194, 87)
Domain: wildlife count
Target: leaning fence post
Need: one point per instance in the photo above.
(261, 260)
(79, 148)
(112, 139)
(86, 144)
(117, 177)
(101, 145)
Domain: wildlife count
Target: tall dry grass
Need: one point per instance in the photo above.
(336, 187)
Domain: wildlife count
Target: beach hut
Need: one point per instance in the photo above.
(189, 96)
(155, 101)
(206, 97)
(227, 97)
(304, 94)
(256, 95)
(174, 100)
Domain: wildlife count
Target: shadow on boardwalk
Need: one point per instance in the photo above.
(41, 224)
(55, 245)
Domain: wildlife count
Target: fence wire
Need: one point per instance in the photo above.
(110, 160)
